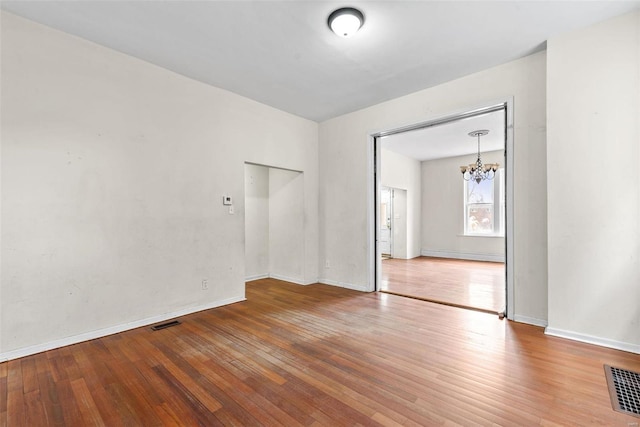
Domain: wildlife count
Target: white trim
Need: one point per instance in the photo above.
(590, 339)
(361, 288)
(75, 339)
(279, 277)
(461, 255)
(454, 115)
(290, 279)
(374, 253)
(482, 235)
(256, 277)
(510, 219)
(530, 321)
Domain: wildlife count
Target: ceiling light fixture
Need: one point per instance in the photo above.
(345, 21)
(477, 171)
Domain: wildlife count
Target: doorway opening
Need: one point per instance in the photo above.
(458, 244)
(274, 223)
(393, 222)
(386, 217)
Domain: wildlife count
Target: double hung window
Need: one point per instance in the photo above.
(484, 206)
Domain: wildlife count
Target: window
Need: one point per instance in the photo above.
(484, 206)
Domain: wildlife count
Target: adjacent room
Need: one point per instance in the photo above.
(442, 232)
(212, 212)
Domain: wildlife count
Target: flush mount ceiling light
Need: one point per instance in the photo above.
(345, 21)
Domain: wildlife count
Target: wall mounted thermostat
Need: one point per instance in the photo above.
(227, 200)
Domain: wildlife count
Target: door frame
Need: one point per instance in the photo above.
(374, 184)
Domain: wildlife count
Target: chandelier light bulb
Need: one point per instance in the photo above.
(346, 21)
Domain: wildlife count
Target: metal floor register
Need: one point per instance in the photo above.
(624, 389)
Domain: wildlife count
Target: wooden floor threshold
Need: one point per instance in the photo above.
(500, 314)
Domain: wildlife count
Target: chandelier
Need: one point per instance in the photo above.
(477, 171)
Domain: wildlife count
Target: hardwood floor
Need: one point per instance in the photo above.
(318, 355)
(474, 284)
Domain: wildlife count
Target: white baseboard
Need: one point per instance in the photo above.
(295, 280)
(409, 257)
(589, 339)
(75, 339)
(530, 321)
(461, 255)
(360, 288)
(279, 277)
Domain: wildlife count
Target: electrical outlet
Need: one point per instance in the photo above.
(205, 284)
(231, 210)
(326, 264)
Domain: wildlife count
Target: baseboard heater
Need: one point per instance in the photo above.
(165, 325)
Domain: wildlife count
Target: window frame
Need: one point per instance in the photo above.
(498, 207)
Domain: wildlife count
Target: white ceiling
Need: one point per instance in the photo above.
(283, 54)
(449, 139)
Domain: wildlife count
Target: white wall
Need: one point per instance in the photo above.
(256, 221)
(593, 102)
(443, 211)
(398, 171)
(345, 169)
(113, 172)
(286, 225)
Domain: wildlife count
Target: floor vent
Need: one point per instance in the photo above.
(165, 325)
(624, 389)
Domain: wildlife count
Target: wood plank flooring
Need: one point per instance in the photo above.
(318, 355)
(458, 282)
